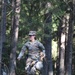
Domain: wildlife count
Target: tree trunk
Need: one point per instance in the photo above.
(0, 46)
(69, 46)
(4, 20)
(73, 37)
(0, 40)
(48, 40)
(62, 49)
(2, 28)
(14, 36)
(48, 44)
(59, 43)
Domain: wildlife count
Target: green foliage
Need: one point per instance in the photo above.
(32, 17)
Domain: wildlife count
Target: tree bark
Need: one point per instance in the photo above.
(73, 35)
(4, 20)
(0, 46)
(62, 49)
(69, 46)
(14, 36)
(0, 42)
(2, 27)
(48, 44)
(48, 40)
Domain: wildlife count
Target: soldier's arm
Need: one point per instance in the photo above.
(22, 52)
(41, 46)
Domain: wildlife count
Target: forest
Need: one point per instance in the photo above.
(54, 22)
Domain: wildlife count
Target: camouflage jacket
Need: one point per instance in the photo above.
(34, 48)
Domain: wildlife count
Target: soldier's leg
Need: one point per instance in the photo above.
(28, 63)
(39, 65)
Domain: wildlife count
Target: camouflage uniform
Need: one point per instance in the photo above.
(34, 49)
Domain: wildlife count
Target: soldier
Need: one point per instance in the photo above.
(35, 49)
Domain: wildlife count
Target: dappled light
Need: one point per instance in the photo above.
(54, 24)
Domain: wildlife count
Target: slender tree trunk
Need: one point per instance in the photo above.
(48, 44)
(59, 43)
(14, 36)
(62, 49)
(69, 50)
(0, 35)
(62, 29)
(0, 46)
(2, 28)
(69, 46)
(74, 34)
(48, 40)
(0, 41)
(12, 59)
(0, 9)
(4, 20)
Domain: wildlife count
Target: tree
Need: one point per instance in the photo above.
(69, 43)
(0, 46)
(73, 56)
(4, 19)
(14, 36)
(0, 41)
(62, 48)
(2, 28)
(48, 40)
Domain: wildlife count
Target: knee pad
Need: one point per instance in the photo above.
(39, 65)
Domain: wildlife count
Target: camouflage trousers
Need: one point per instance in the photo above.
(32, 65)
(29, 65)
